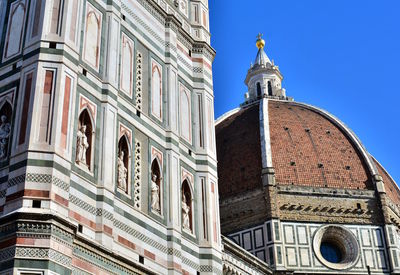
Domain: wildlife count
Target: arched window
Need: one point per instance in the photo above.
(92, 41)
(258, 89)
(156, 90)
(127, 66)
(5, 129)
(269, 88)
(187, 206)
(185, 114)
(15, 30)
(156, 180)
(84, 143)
(123, 164)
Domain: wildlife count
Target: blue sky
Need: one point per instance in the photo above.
(342, 56)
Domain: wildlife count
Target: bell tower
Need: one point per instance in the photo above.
(263, 78)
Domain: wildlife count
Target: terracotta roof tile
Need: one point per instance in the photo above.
(239, 152)
(310, 150)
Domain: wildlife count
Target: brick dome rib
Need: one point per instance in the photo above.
(391, 188)
(308, 149)
(239, 152)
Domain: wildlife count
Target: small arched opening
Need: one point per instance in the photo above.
(123, 164)
(258, 89)
(84, 143)
(269, 88)
(187, 206)
(156, 186)
(5, 129)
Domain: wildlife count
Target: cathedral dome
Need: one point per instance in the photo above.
(272, 146)
(307, 147)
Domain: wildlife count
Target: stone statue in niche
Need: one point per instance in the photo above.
(155, 194)
(81, 146)
(185, 213)
(122, 171)
(5, 130)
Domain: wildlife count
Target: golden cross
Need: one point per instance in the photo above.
(259, 36)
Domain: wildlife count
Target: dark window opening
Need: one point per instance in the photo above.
(84, 72)
(85, 124)
(141, 259)
(80, 228)
(53, 45)
(269, 88)
(36, 203)
(331, 252)
(258, 89)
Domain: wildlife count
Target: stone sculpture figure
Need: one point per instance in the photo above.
(81, 146)
(5, 130)
(155, 194)
(122, 171)
(185, 213)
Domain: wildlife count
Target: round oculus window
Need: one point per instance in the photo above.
(336, 247)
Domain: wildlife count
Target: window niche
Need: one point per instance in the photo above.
(156, 180)
(124, 164)
(269, 88)
(5, 129)
(187, 206)
(84, 142)
(258, 89)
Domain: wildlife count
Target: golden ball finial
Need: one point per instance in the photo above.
(260, 42)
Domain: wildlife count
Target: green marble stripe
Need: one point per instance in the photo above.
(167, 54)
(139, 30)
(9, 86)
(171, 140)
(7, 265)
(10, 73)
(48, 163)
(109, 93)
(17, 165)
(41, 264)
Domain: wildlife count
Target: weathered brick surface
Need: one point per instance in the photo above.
(239, 152)
(391, 188)
(310, 150)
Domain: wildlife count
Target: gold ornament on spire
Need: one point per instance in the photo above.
(260, 42)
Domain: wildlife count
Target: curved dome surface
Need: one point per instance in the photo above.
(239, 151)
(309, 147)
(311, 150)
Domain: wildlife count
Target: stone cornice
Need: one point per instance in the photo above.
(234, 252)
(172, 21)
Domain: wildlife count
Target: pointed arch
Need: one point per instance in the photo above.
(15, 29)
(156, 186)
(156, 90)
(269, 88)
(185, 114)
(127, 65)
(258, 89)
(124, 163)
(5, 128)
(92, 36)
(187, 205)
(85, 139)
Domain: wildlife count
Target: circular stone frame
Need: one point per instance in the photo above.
(344, 239)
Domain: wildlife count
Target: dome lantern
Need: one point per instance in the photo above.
(263, 78)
